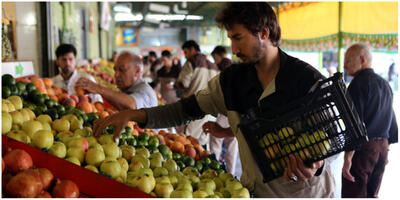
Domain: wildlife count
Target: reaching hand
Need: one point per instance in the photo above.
(296, 170)
(87, 85)
(346, 171)
(118, 120)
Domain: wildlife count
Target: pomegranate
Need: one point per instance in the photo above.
(36, 174)
(17, 160)
(23, 185)
(5, 178)
(65, 189)
(47, 177)
(44, 194)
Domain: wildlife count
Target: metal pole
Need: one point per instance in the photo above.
(340, 41)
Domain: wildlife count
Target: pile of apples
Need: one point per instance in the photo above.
(103, 72)
(21, 179)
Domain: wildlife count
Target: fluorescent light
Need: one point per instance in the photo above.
(159, 17)
(121, 8)
(159, 8)
(194, 17)
(128, 17)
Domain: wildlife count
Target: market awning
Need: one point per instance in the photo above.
(315, 26)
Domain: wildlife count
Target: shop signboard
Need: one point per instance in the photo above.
(18, 68)
(127, 37)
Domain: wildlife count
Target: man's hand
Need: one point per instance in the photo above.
(87, 85)
(118, 120)
(296, 170)
(346, 171)
(216, 130)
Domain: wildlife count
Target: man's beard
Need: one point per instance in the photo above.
(256, 56)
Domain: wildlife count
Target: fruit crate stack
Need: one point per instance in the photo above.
(158, 164)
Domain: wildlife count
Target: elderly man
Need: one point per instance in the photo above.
(66, 62)
(363, 169)
(135, 94)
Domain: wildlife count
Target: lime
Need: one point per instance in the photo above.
(180, 164)
(143, 136)
(128, 130)
(21, 85)
(122, 142)
(207, 161)
(52, 112)
(60, 108)
(109, 130)
(45, 96)
(91, 117)
(14, 90)
(37, 111)
(153, 141)
(214, 165)
(38, 99)
(24, 94)
(153, 149)
(132, 141)
(42, 108)
(30, 87)
(199, 166)
(6, 92)
(7, 80)
(189, 161)
(69, 108)
(163, 149)
(50, 103)
(219, 171)
(143, 143)
(176, 156)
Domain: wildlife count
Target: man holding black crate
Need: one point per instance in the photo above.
(373, 99)
(267, 75)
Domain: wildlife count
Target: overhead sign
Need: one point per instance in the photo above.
(18, 69)
(105, 16)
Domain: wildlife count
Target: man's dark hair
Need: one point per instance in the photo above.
(254, 16)
(191, 43)
(166, 53)
(64, 49)
(219, 50)
(153, 53)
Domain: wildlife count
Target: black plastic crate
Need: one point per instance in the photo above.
(321, 124)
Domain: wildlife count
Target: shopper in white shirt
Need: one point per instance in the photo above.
(68, 76)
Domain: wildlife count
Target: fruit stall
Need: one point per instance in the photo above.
(49, 150)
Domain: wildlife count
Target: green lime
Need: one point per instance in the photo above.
(14, 90)
(153, 149)
(199, 166)
(30, 87)
(109, 130)
(163, 149)
(206, 161)
(69, 108)
(143, 143)
(52, 112)
(38, 99)
(7, 80)
(143, 136)
(220, 171)
(153, 141)
(37, 111)
(42, 107)
(132, 141)
(214, 164)
(50, 103)
(91, 117)
(176, 156)
(180, 164)
(128, 130)
(6, 92)
(60, 108)
(24, 94)
(189, 161)
(21, 85)
(45, 96)
(139, 146)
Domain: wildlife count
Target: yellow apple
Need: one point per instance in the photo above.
(31, 127)
(16, 101)
(19, 135)
(74, 160)
(92, 168)
(76, 152)
(94, 157)
(43, 139)
(61, 125)
(58, 149)
(44, 119)
(17, 118)
(6, 122)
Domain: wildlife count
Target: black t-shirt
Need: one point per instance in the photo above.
(173, 73)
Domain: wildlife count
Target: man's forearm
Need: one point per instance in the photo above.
(225, 132)
(348, 155)
(118, 99)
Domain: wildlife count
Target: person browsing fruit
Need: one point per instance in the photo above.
(135, 92)
(268, 76)
(373, 99)
(68, 76)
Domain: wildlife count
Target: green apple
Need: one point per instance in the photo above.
(173, 180)
(135, 166)
(17, 118)
(217, 195)
(190, 171)
(79, 142)
(143, 160)
(61, 125)
(143, 151)
(106, 139)
(207, 184)
(19, 135)
(185, 186)
(124, 164)
(123, 176)
(159, 171)
(163, 190)
(98, 147)
(200, 194)
(25, 114)
(176, 173)
(75, 124)
(155, 162)
(65, 136)
(143, 171)
(225, 193)
(92, 168)
(234, 185)
(16, 101)
(170, 165)
(58, 149)
(112, 150)
(6, 122)
(44, 119)
(94, 157)
(80, 131)
(111, 168)
(146, 183)
(91, 140)
(163, 179)
(218, 183)
(43, 139)
(240, 193)
(74, 160)
(181, 194)
(131, 180)
(69, 117)
(225, 176)
(156, 155)
(76, 152)
(46, 126)
(210, 173)
(127, 151)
